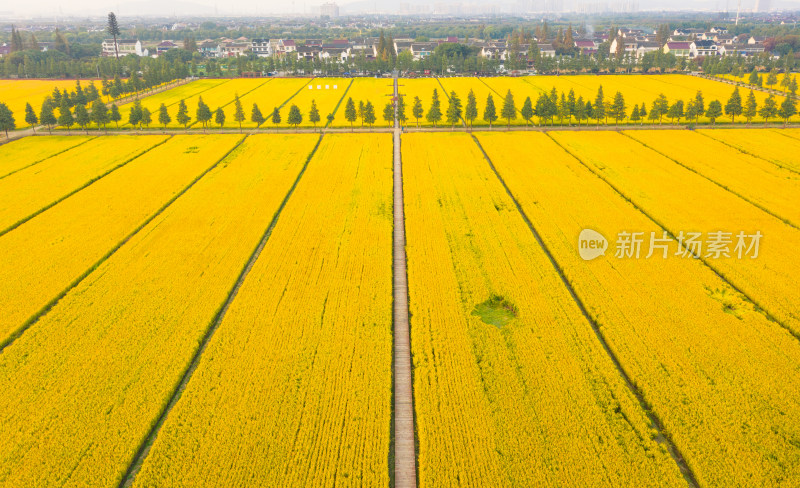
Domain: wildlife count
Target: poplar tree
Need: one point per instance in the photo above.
(714, 111)
(750, 107)
(453, 110)
(7, 121)
(527, 111)
(313, 114)
(788, 110)
(295, 118)
(769, 110)
(182, 117)
(401, 109)
(46, 115)
(416, 109)
(734, 105)
(509, 111)
(65, 115)
(434, 113)
(489, 111)
(115, 116)
(369, 114)
(238, 114)
(350, 112)
(163, 116)
(30, 117)
(276, 116)
(256, 116)
(599, 109)
(471, 109)
(388, 113)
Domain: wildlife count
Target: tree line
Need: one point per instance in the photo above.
(566, 107)
(548, 108)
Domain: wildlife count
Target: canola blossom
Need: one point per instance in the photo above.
(81, 388)
(772, 188)
(680, 199)
(49, 252)
(299, 370)
(36, 187)
(20, 154)
(714, 368)
(515, 402)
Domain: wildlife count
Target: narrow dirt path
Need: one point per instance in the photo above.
(405, 470)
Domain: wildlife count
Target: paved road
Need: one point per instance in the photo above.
(405, 471)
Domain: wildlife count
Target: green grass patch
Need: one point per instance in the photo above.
(496, 311)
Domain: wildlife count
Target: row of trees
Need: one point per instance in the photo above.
(567, 107)
(547, 108)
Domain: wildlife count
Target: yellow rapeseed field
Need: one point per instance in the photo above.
(520, 393)
(31, 189)
(17, 93)
(775, 189)
(327, 93)
(779, 146)
(81, 388)
(376, 90)
(682, 200)
(422, 88)
(462, 86)
(170, 98)
(299, 371)
(50, 251)
(268, 96)
(714, 370)
(25, 152)
(215, 93)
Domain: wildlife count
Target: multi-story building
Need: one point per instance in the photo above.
(124, 47)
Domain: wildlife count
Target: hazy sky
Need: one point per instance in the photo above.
(49, 8)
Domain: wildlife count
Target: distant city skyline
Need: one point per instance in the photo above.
(77, 8)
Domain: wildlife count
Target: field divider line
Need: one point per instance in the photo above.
(784, 133)
(44, 310)
(698, 257)
(749, 153)
(147, 442)
(404, 440)
(76, 190)
(338, 104)
(447, 95)
(296, 93)
(173, 103)
(50, 156)
(735, 193)
(501, 97)
(233, 100)
(255, 130)
(674, 452)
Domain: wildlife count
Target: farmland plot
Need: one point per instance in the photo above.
(25, 152)
(306, 344)
(47, 253)
(36, 187)
(713, 367)
(512, 386)
(81, 388)
(770, 187)
(683, 201)
(376, 90)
